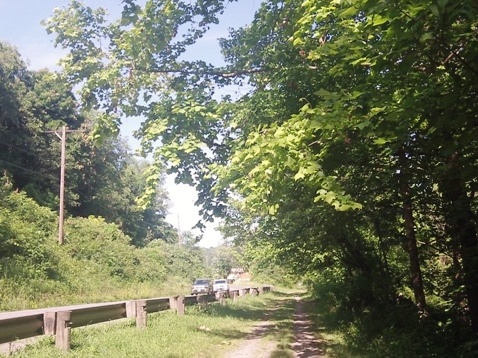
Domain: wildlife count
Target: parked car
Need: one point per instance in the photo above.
(201, 285)
(231, 278)
(220, 285)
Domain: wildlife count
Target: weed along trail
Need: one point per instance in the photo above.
(285, 331)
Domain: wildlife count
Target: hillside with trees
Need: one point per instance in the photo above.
(113, 248)
(350, 163)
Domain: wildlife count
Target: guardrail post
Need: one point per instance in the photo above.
(63, 330)
(173, 303)
(202, 300)
(242, 292)
(49, 323)
(220, 296)
(131, 309)
(141, 314)
(260, 290)
(180, 305)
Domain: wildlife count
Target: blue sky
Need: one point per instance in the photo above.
(20, 26)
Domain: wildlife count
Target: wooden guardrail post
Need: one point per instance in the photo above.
(202, 300)
(176, 303)
(173, 303)
(130, 309)
(63, 330)
(49, 323)
(180, 307)
(141, 314)
(220, 296)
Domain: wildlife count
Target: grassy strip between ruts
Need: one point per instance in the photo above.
(208, 332)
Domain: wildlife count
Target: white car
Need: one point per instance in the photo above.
(220, 285)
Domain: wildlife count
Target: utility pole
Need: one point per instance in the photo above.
(64, 130)
(180, 241)
(62, 185)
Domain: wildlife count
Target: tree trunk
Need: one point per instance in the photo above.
(410, 237)
(461, 228)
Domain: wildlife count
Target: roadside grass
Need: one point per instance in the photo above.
(44, 293)
(199, 333)
(202, 332)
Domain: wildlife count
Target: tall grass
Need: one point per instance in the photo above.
(41, 293)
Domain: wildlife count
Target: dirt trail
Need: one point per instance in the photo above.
(255, 345)
(305, 344)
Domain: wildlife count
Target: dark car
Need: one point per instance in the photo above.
(201, 285)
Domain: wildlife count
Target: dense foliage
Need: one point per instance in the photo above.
(97, 262)
(350, 162)
(113, 247)
(101, 179)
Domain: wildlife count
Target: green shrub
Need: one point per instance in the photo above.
(26, 236)
(93, 239)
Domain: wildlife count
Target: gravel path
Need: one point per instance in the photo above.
(305, 344)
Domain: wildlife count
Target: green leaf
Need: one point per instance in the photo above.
(442, 3)
(426, 36)
(363, 125)
(350, 11)
(273, 209)
(435, 10)
(379, 20)
(380, 141)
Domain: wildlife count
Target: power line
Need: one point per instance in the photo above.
(20, 167)
(77, 191)
(17, 148)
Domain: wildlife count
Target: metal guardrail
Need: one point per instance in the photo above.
(190, 300)
(85, 316)
(12, 329)
(158, 304)
(61, 321)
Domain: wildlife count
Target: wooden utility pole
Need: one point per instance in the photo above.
(64, 130)
(62, 185)
(180, 241)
